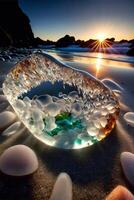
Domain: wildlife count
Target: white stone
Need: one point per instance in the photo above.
(92, 131)
(127, 162)
(129, 117)
(73, 95)
(6, 119)
(63, 188)
(112, 110)
(50, 123)
(39, 126)
(37, 115)
(46, 99)
(104, 112)
(38, 104)
(27, 101)
(11, 129)
(97, 124)
(18, 160)
(103, 122)
(110, 106)
(2, 98)
(96, 113)
(3, 106)
(53, 109)
(20, 104)
(76, 108)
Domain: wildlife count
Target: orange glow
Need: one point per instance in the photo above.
(98, 64)
(100, 44)
(101, 37)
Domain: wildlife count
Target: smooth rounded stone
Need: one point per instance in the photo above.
(3, 102)
(18, 160)
(61, 102)
(39, 126)
(20, 104)
(104, 112)
(11, 129)
(37, 115)
(3, 98)
(53, 109)
(97, 114)
(120, 193)
(27, 101)
(103, 121)
(92, 131)
(101, 135)
(3, 106)
(97, 124)
(127, 162)
(110, 106)
(76, 108)
(6, 119)
(73, 94)
(112, 111)
(55, 99)
(129, 117)
(45, 99)
(63, 188)
(117, 92)
(112, 84)
(37, 104)
(50, 123)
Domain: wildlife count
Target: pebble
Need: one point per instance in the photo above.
(18, 160)
(3, 106)
(37, 114)
(97, 124)
(92, 131)
(103, 122)
(20, 104)
(53, 109)
(63, 188)
(73, 95)
(6, 119)
(120, 193)
(129, 118)
(112, 84)
(50, 123)
(76, 108)
(11, 129)
(2, 98)
(127, 162)
(45, 99)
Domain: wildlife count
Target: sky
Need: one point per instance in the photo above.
(84, 19)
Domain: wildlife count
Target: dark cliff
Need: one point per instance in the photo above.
(15, 29)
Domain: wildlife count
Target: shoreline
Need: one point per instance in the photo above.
(92, 169)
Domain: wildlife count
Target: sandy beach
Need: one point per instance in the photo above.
(95, 171)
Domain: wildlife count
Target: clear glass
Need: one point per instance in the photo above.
(60, 105)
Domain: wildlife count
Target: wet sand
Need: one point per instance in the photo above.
(94, 171)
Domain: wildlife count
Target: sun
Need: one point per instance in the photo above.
(101, 37)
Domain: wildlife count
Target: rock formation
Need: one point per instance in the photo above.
(15, 29)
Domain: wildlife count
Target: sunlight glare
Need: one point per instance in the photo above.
(98, 63)
(101, 37)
